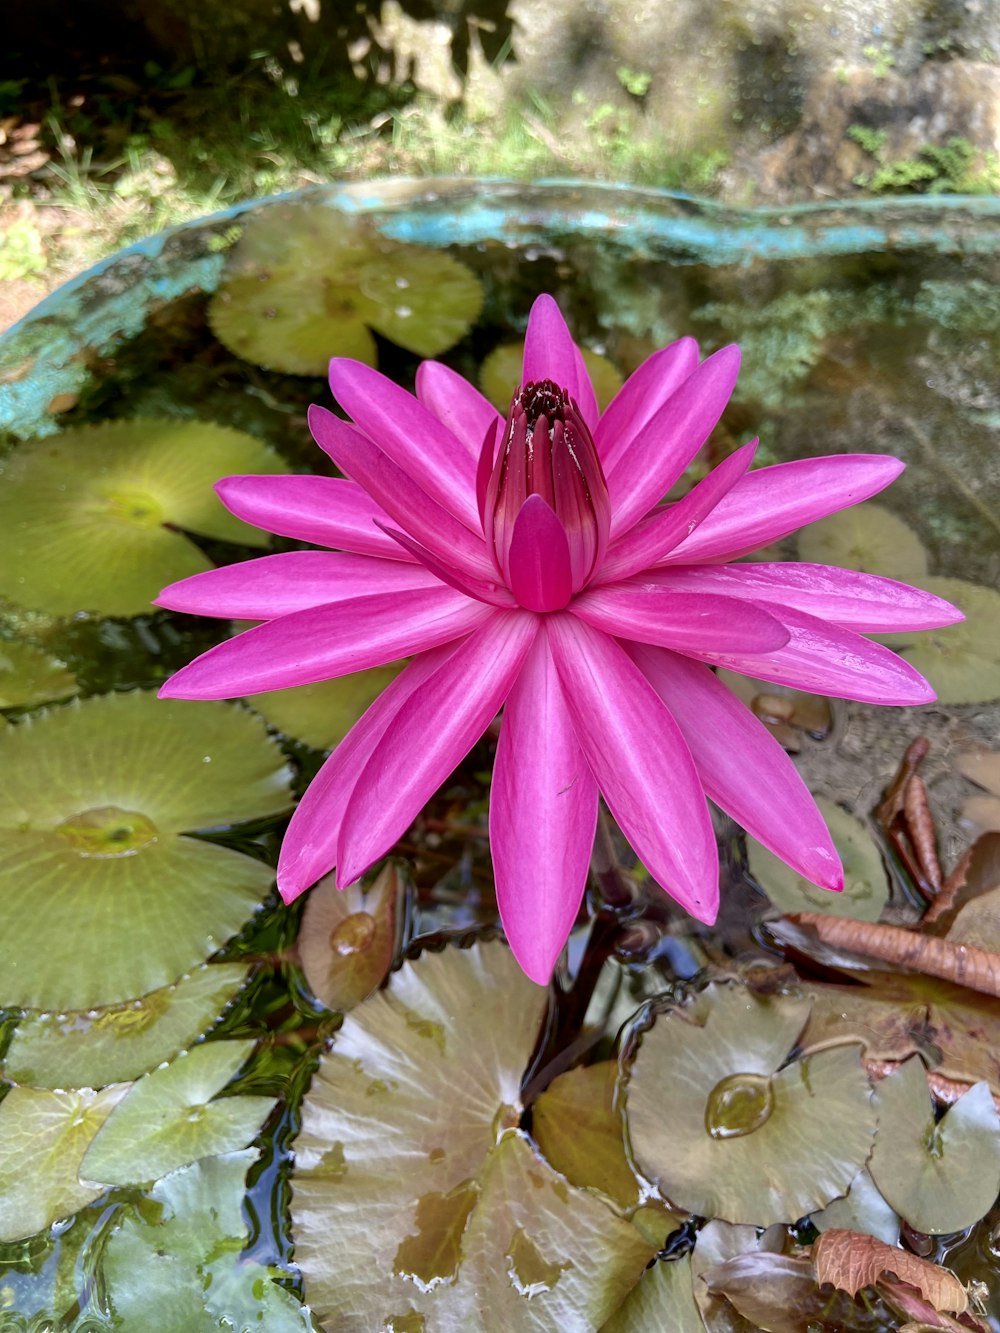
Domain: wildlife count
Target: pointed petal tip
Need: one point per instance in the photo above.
(536, 965)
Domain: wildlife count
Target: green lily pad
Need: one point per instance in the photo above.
(868, 537)
(305, 283)
(940, 1175)
(866, 887)
(347, 939)
(323, 714)
(116, 1045)
(182, 1258)
(961, 661)
(725, 1134)
(43, 1137)
(88, 518)
(500, 374)
(862, 1209)
(446, 1221)
(28, 676)
(663, 1298)
(717, 1243)
(169, 1120)
(103, 899)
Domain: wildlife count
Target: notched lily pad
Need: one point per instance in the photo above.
(961, 661)
(28, 676)
(169, 1118)
(347, 939)
(307, 283)
(726, 1132)
(940, 1175)
(103, 898)
(89, 518)
(323, 714)
(100, 1046)
(500, 374)
(866, 887)
(868, 537)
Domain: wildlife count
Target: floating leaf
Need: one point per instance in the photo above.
(103, 900)
(306, 283)
(939, 1175)
(866, 887)
(28, 676)
(861, 1209)
(452, 1217)
(500, 374)
(100, 1046)
(724, 1134)
(868, 537)
(347, 939)
(850, 1261)
(168, 1118)
(43, 1137)
(323, 714)
(662, 1299)
(182, 1259)
(961, 661)
(983, 768)
(88, 518)
(716, 1242)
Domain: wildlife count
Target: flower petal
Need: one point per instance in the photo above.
(494, 593)
(540, 574)
(328, 641)
(640, 760)
(653, 537)
(309, 848)
(865, 602)
(826, 659)
(684, 621)
(326, 510)
(641, 397)
(434, 729)
(274, 585)
(403, 501)
(543, 812)
(773, 501)
(406, 432)
(742, 767)
(457, 404)
(666, 444)
(551, 354)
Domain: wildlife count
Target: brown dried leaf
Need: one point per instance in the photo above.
(920, 1314)
(850, 1261)
(778, 1293)
(347, 940)
(977, 873)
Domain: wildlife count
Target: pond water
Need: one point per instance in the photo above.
(863, 330)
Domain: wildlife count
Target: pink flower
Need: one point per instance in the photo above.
(539, 572)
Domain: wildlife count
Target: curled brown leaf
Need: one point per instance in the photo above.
(850, 1261)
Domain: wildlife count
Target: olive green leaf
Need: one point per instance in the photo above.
(500, 375)
(663, 1298)
(961, 661)
(868, 537)
(28, 676)
(862, 1209)
(323, 714)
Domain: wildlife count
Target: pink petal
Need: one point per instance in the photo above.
(641, 397)
(845, 596)
(494, 593)
(274, 585)
(540, 575)
(457, 404)
(328, 641)
(772, 502)
(655, 536)
(434, 729)
(742, 767)
(641, 762)
(687, 622)
(827, 659)
(663, 448)
(309, 848)
(325, 510)
(551, 354)
(403, 501)
(406, 432)
(543, 811)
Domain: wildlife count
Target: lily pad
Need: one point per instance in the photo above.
(100, 1046)
(863, 1209)
(305, 283)
(103, 899)
(43, 1137)
(169, 1118)
(725, 1134)
(961, 661)
(939, 1175)
(28, 676)
(347, 939)
(89, 518)
(182, 1258)
(500, 374)
(662, 1299)
(868, 537)
(866, 887)
(453, 1222)
(323, 714)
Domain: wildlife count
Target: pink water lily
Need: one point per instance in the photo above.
(530, 565)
